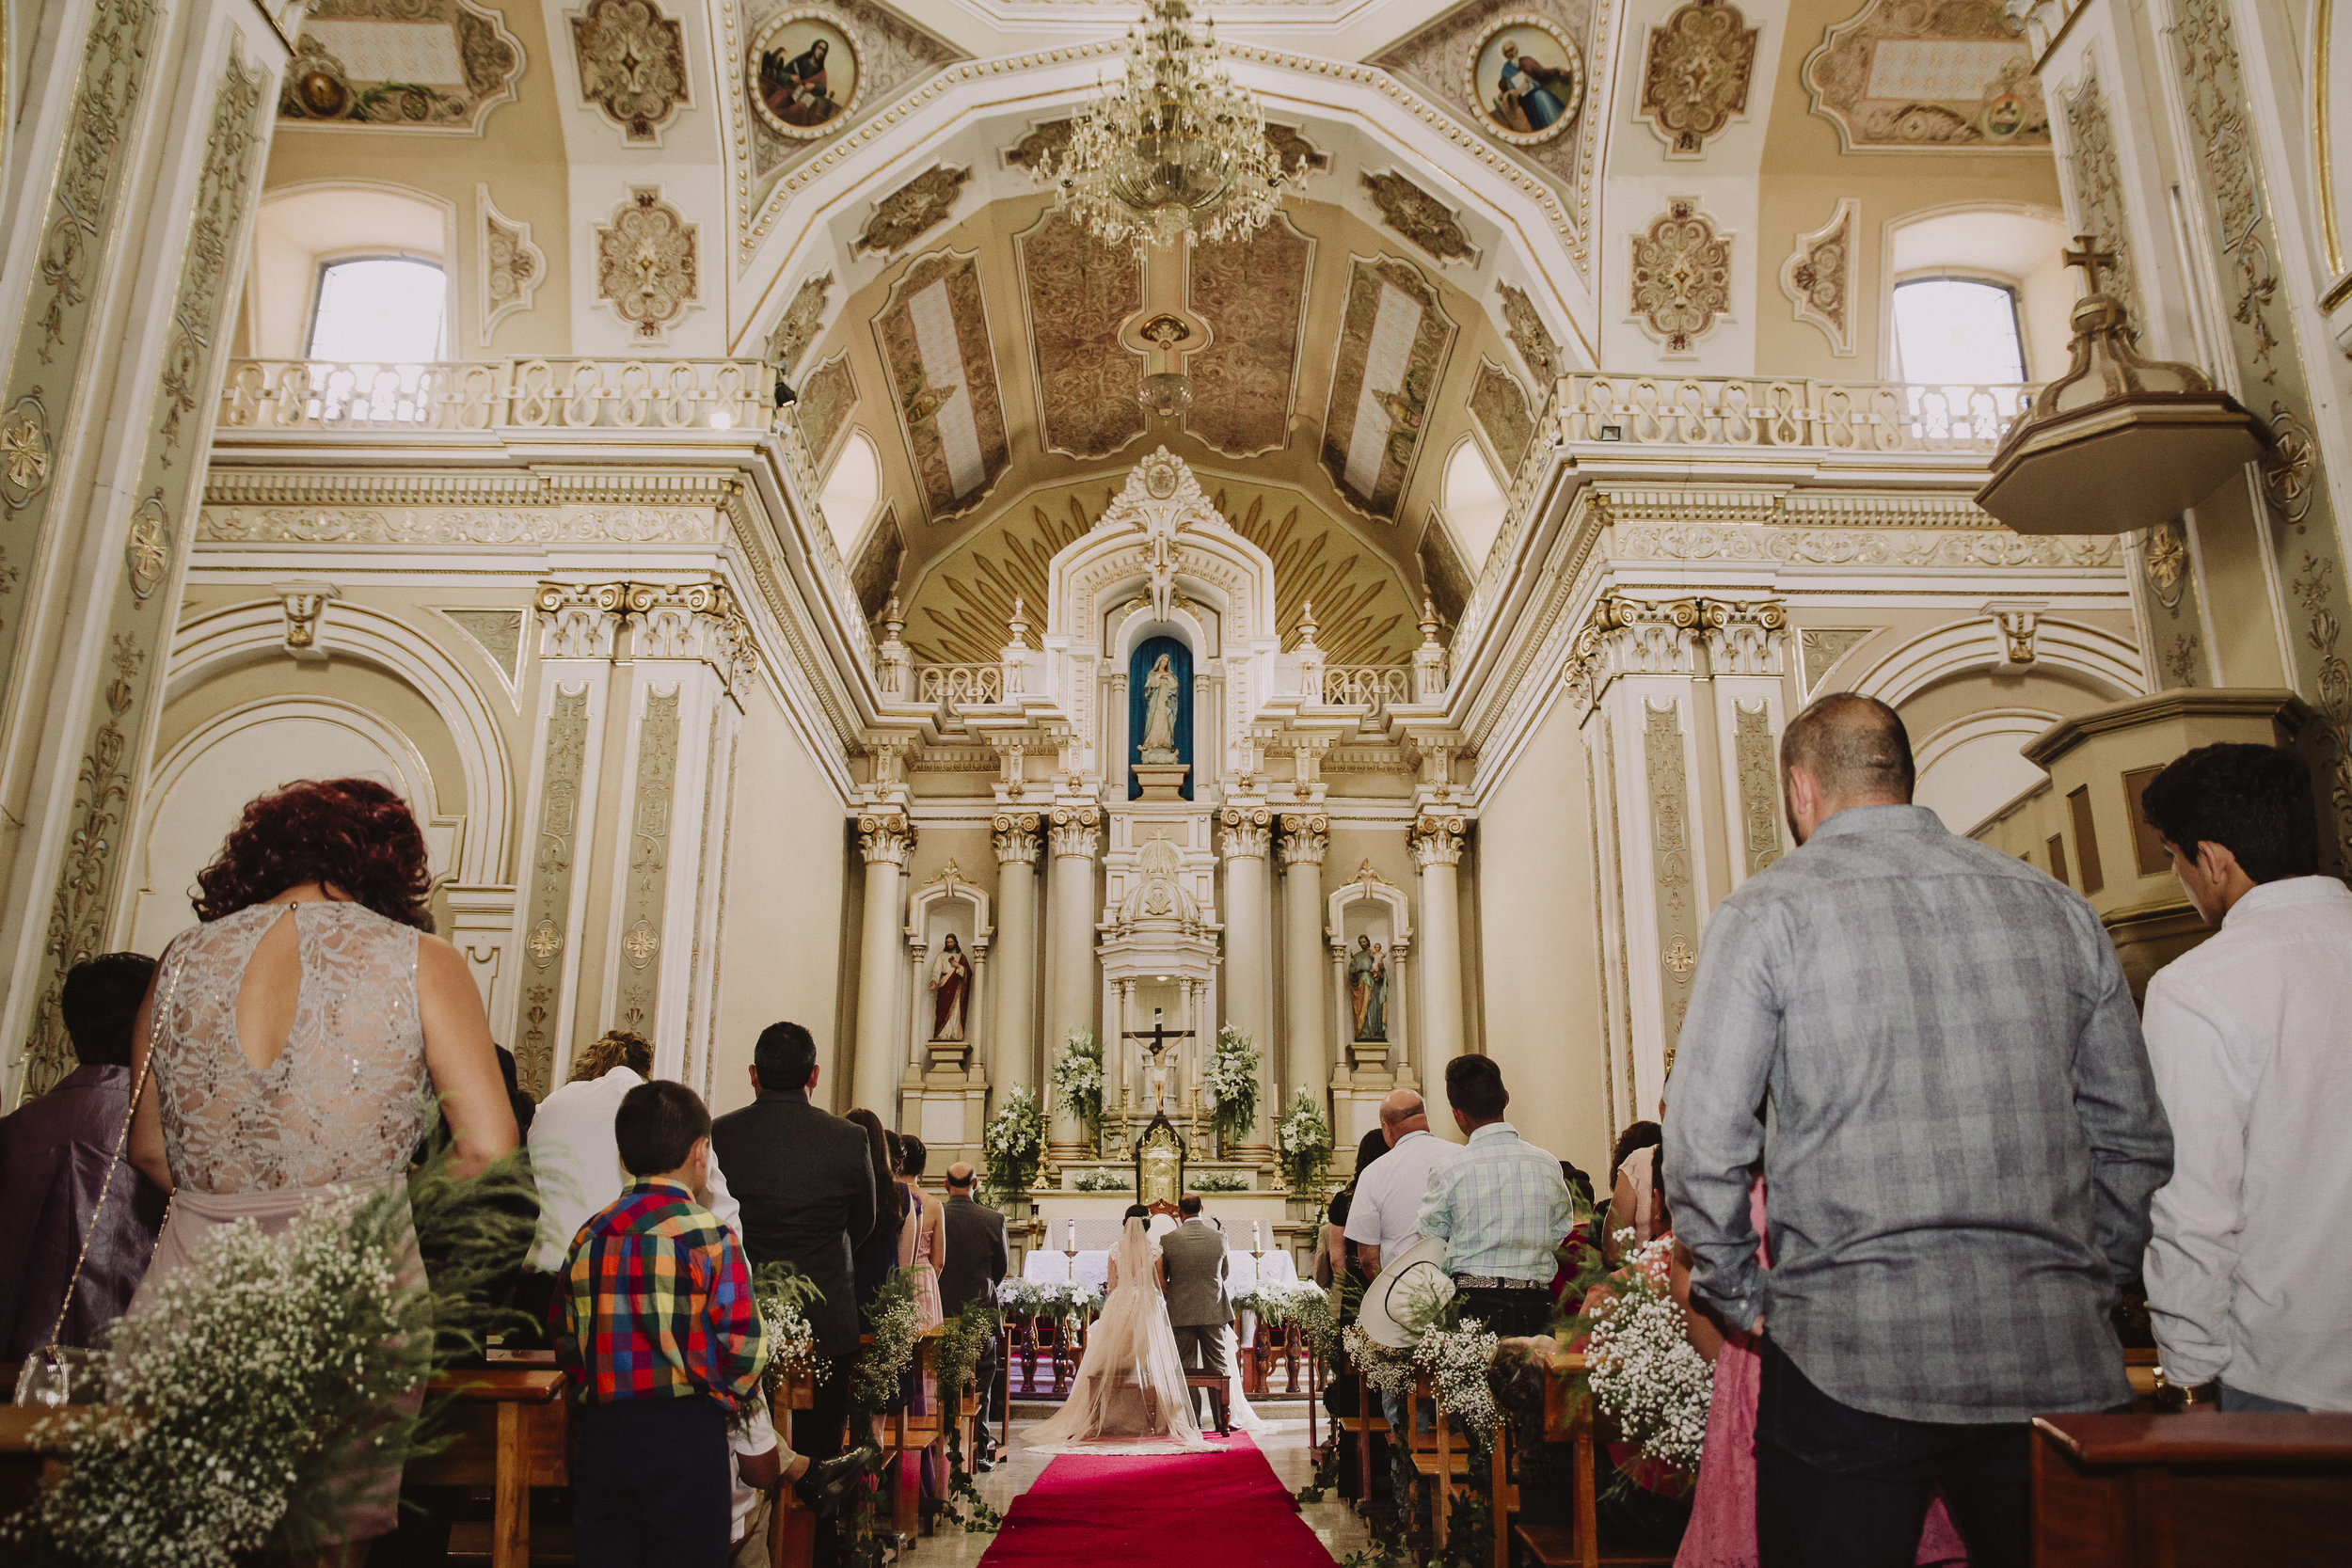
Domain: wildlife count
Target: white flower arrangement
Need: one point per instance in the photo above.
(1646, 1374)
(1220, 1181)
(263, 1377)
(1455, 1362)
(1077, 1078)
(1390, 1372)
(779, 1292)
(1302, 1141)
(1102, 1182)
(1014, 1144)
(1230, 1082)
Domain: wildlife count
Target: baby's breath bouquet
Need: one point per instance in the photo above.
(894, 1322)
(1104, 1180)
(1455, 1361)
(1390, 1371)
(782, 1293)
(1078, 1078)
(1229, 1081)
(1646, 1374)
(251, 1395)
(1014, 1143)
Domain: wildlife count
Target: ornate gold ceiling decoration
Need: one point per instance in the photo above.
(632, 66)
(647, 263)
(1525, 77)
(1393, 338)
(1255, 296)
(512, 267)
(400, 65)
(1528, 333)
(1445, 577)
(1077, 291)
(912, 210)
(1928, 75)
(1682, 278)
(1419, 217)
(797, 328)
(1499, 404)
(1819, 276)
(875, 577)
(2098, 186)
(828, 398)
(1694, 75)
(961, 609)
(935, 343)
(780, 115)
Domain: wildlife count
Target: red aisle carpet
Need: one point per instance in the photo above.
(1157, 1511)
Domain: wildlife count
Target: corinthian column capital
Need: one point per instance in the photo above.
(1247, 830)
(1437, 841)
(885, 838)
(1076, 831)
(1015, 836)
(1304, 836)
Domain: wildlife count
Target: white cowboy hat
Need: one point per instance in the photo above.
(1400, 1306)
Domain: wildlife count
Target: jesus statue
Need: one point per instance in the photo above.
(1159, 713)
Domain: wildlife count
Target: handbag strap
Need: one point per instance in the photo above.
(122, 1139)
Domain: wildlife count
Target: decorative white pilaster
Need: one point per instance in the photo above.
(1248, 977)
(1747, 645)
(886, 841)
(1307, 1016)
(1015, 1048)
(1076, 833)
(1437, 843)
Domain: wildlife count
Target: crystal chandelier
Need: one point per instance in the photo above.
(1174, 150)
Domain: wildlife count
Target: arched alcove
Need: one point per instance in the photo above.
(303, 227)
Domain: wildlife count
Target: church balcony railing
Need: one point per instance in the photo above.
(959, 685)
(497, 396)
(1371, 686)
(1753, 411)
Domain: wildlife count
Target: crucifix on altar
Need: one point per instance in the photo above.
(1154, 1042)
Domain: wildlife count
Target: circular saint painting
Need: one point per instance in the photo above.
(805, 74)
(1526, 79)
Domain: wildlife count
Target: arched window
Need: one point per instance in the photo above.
(1474, 502)
(1957, 331)
(378, 310)
(851, 490)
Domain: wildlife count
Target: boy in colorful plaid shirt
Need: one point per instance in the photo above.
(654, 1313)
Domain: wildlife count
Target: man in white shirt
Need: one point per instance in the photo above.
(2250, 1283)
(575, 1156)
(1386, 1215)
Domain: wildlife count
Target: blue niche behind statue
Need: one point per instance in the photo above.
(1159, 708)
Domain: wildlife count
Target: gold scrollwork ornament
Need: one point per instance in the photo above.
(147, 555)
(26, 450)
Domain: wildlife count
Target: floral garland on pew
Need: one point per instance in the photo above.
(1644, 1373)
(956, 1358)
(781, 1293)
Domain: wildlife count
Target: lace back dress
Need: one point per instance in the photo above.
(342, 1106)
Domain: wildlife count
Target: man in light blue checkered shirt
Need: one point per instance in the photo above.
(1502, 1207)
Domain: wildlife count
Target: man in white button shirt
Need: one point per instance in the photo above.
(2250, 1282)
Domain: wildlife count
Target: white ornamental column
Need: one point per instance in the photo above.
(1436, 843)
(1075, 834)
(885, 842)
(1308, 1061)
(1248, 977)
(1013, 1050)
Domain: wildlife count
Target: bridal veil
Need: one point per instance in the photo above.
(1130, 1395)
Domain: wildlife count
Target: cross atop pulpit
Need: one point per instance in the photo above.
(1156, 1040)
(2089, 257)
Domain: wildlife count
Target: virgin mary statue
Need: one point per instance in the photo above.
(1159, 713)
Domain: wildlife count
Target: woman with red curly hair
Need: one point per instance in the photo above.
(299, 1036)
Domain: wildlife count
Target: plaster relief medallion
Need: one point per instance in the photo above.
(1499, 404)
(804, 74)
(1393, 338)
(512, 266)
(647, 268)
(1819, 276)
(1926, 75)
(934, 341)
(147, 555)
(875, 577)
(1419, 217)
(407, 65)
(632, 65)
(1528, 333)
(798, 326)
(545, 941)
(912, 210)
(1444, 578)
(828, 398)
(2166, 556)
(1681, 276)
(1525, 77)
(26, 450)
(1694, 77)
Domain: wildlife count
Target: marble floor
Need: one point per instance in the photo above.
(1284, 1443)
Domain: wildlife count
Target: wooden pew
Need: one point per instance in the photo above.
(511, 1431)
(26, 1467)
(2191, 1490)
(1366, 1424)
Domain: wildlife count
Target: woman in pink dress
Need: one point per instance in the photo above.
(1721, 1533)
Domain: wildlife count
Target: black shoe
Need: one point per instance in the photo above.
(983, 1466)
(822, 1487)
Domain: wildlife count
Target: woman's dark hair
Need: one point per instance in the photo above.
(351, 834)
(1134, 1211)
(877, 1155)
(1577, 1181)
(1370, 1148)
(2255, 801)
(914, 1155)
(1642, 1135)
(898, 1154)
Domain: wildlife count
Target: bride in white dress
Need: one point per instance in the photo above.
(1130, 1395)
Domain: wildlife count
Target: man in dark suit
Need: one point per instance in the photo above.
(977, 1257)
(806, 1187)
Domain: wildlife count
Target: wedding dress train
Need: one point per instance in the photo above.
(1129, 1396)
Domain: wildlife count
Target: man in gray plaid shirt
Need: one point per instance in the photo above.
(1931, 1048)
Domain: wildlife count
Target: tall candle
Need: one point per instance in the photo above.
(1069, 1235)
(1257, 1236)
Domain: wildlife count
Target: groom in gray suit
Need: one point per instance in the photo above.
(1198, 1305)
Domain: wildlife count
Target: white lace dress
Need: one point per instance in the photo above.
(1130, 1395)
